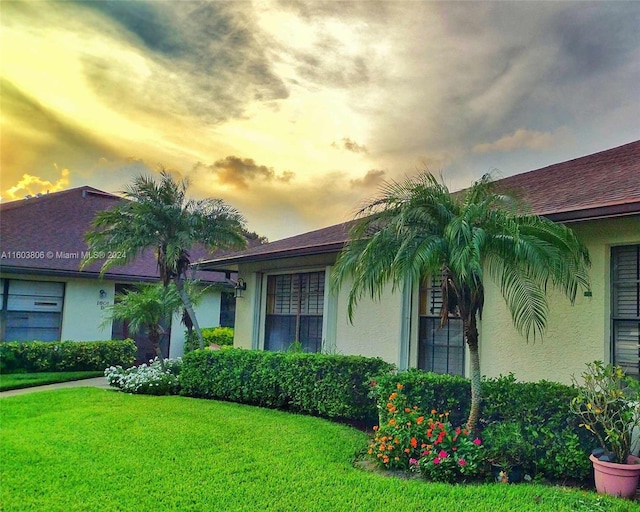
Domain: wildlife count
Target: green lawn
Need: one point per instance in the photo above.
(88, 449)
(27, 380)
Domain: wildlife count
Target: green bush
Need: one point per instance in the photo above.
(332, 386)
(222, 336)
(427, 391)
(540, 409)
(65, 356)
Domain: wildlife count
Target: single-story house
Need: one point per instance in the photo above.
(45, 296)
(288, 297)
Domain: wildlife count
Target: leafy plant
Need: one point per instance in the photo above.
(418, 228)
(159, 216)
(608, 404)
(450, 454)
(147, 379)
(52, 356)
(506, 445)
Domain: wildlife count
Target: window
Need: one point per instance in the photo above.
(440, 349)
(295, 303)
(626, 308)
(31, 310)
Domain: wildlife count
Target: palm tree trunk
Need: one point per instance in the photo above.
(179, 281)
(471, 334)
(154, 338)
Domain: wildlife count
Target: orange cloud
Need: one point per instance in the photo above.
(33, 185)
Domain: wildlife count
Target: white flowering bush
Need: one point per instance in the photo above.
(147, 379)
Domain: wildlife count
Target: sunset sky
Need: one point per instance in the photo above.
(295, 112)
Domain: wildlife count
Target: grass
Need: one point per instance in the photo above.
(87, 449)
(27, 380)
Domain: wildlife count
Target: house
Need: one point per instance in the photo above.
(45, 296)
(288, 296)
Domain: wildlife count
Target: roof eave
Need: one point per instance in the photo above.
(231, 264)
(601, 212)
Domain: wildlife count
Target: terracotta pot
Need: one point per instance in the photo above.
(617, 479)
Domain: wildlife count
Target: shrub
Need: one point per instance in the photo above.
(451, 454)
(222, 336)
(540, 409)
(146, 379)
(332, 386)
(426, 443)
(61, 356)
(427, 391)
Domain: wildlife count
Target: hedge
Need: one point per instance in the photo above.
(559, 445)
(331, 386)
(65, 356)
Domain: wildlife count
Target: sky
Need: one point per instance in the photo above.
(296, 112)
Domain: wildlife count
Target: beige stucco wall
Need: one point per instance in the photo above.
(576, 334)
(207, 314)
(83, 311)
(376, 327)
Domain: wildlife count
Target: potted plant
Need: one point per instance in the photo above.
(608, 404)
(507, 450)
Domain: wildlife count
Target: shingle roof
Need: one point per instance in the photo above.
(51, 230)
(600, 185)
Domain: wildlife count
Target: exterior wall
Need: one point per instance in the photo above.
(376, 329)
(576, 334)
(83, 312)
(207, 314)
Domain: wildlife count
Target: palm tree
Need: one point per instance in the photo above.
(159, 216)
(145, 308)
(418, 228)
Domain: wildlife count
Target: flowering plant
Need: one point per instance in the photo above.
(449, 454)
(398, 440)
(146, 379)
(608, 404)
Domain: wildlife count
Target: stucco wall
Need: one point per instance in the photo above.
(83, 311)
(207, 314)
(576, 334)
(376, 327)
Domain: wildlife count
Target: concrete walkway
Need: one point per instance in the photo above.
(96, 382)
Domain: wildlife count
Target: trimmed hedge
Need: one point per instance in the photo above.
(222, 336)
(65, 356)
(332, 386)
(560, 448)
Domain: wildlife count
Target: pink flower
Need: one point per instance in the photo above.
(413, 462)
(436, 460)
(477, 441)
(443, 454)
(462, 462)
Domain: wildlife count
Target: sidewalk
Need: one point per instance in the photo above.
(96, 382)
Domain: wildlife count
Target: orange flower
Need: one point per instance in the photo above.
(392, 421)
(375, 428)
(433, 411)
(414, 442)
(420, 420)
(393, 395)
(396, 458)
(399, 386)
(406, 450)
(406, 409)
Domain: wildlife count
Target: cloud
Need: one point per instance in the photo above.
(238, 172)
(34, 185)
(202, 59)
(528, 139)
(349, 145)
(371, 179)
